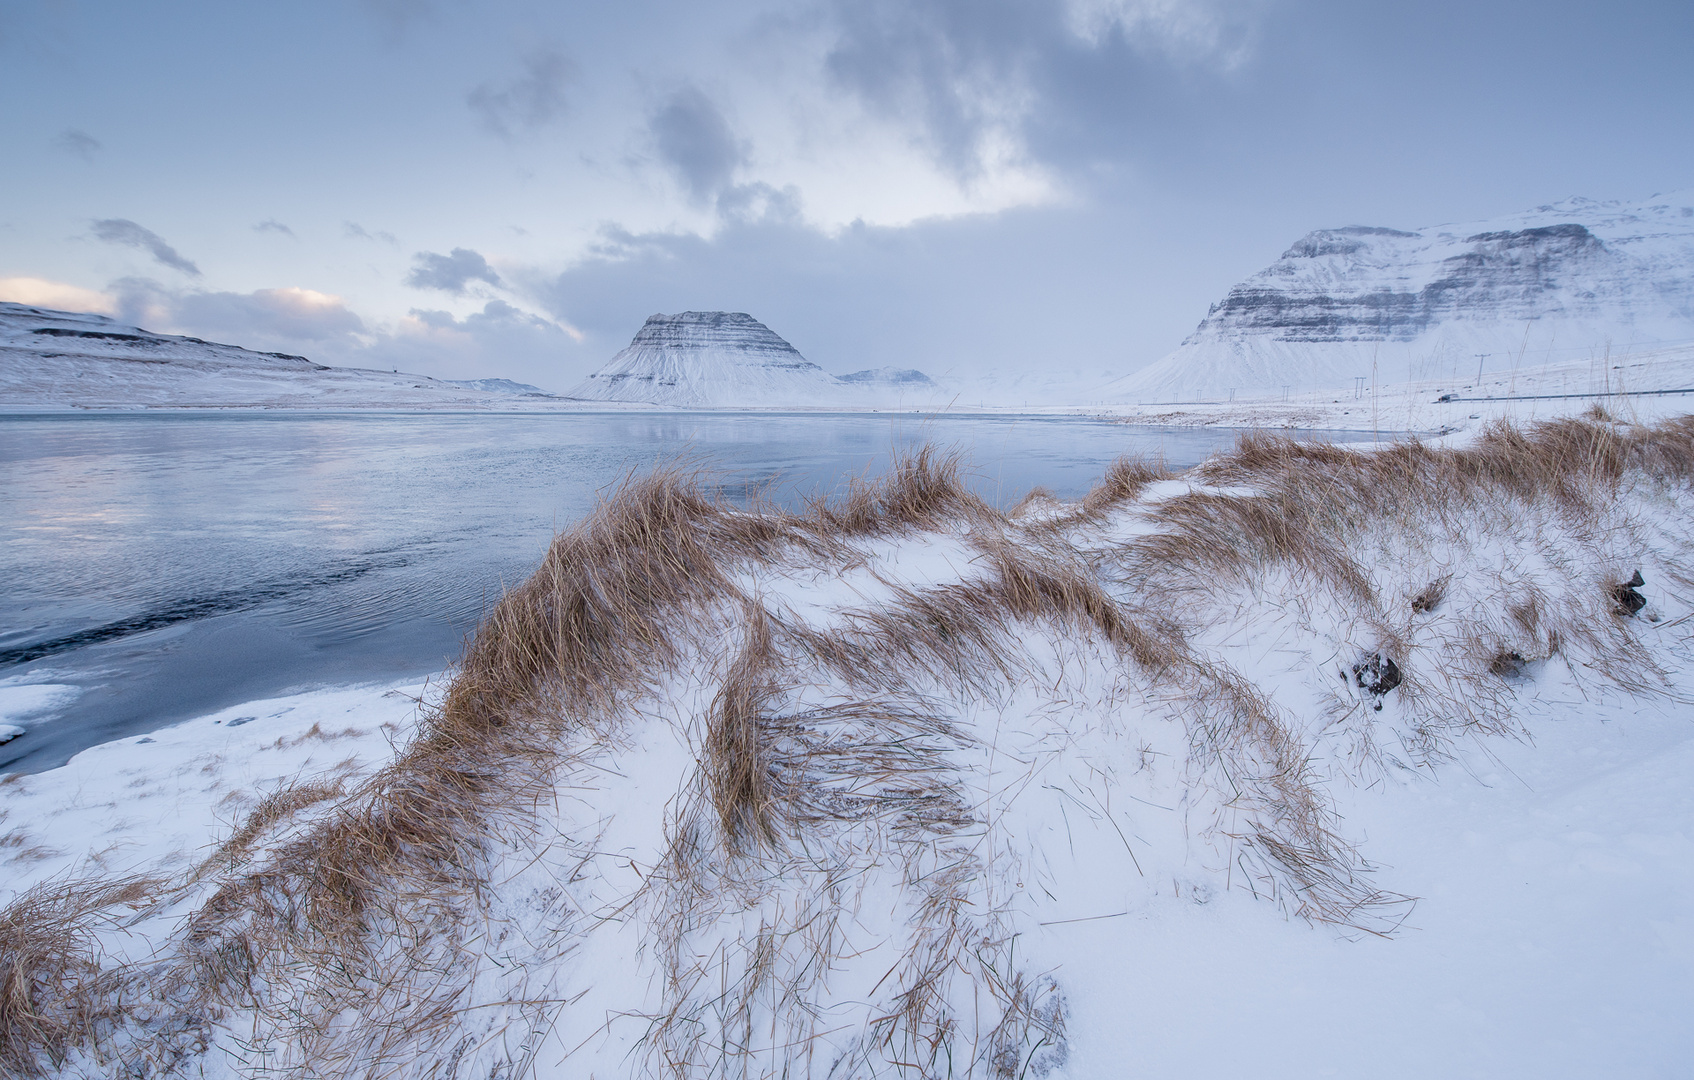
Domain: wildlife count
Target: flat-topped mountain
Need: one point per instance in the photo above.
(62, 359)
(1548, 285)
(730, 359)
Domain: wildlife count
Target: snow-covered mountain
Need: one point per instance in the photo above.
(60, 359)
(1552, 284)
(730, 359)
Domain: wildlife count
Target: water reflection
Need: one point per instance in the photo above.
(162, 565)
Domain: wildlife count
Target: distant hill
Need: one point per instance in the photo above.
(728, 359)
(1388, 305)
(60, 359)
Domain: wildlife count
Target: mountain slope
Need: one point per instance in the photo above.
(60, 359)
(730, 359)
(1552, 284)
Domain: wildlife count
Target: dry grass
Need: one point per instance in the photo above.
(56, 992)
(826, 750)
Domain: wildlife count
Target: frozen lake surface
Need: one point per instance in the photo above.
(155, 566)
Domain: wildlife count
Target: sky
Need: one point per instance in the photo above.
(1024, 190)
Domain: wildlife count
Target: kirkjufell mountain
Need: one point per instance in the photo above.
(730, 359)
(1550, 285)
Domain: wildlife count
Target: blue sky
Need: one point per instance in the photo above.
(1010, 186)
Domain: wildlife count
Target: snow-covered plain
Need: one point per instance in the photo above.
(1643, 384)
(1034, 838)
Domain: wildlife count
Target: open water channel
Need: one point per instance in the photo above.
(157, 566)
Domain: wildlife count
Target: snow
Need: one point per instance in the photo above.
(728, 359)
(1561, 284)
(1643, 384)
(57, 360)
(159, 802)
(20, 699)
(1546, 925)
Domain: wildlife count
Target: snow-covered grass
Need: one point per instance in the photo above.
(907, 786)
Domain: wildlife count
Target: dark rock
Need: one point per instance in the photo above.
(1377, 674)
(1626, 599)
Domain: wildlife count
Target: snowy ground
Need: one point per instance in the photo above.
(1538, 909)
(1553, 934)
(1629, 386)
(157, 803)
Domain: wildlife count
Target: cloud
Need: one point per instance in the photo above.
(976, 80)
(124, 231)
(39, 292)
(961, 296)
(80, 143)
(450, 273)
(495, 315)
(398, 16)
(353, 230)
(273, 225)
(289, 317)
(1193, 29)
(500, 341)
(696, 143)
(536, 97)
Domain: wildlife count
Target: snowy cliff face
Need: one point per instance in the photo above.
(1552, 284)
(60, 359)
(730, 359)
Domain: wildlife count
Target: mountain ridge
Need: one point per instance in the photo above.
(1393, 305)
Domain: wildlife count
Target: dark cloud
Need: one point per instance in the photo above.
(696, 143)
(273, 225)
(124, 231)
(534, 98)
(80, 143)
(450, 273)
(1071, 80)
(355, 231)
(951, 68)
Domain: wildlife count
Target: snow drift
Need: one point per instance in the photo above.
(1551, 285)
(723, 790)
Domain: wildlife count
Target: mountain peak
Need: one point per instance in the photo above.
(708, 358)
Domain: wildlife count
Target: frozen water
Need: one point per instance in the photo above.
(155, 567)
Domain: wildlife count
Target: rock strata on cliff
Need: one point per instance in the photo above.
(1388, 305)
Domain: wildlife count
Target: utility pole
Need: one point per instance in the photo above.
(1480, 357)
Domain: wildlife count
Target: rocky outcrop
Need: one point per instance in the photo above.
(1392, 305)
